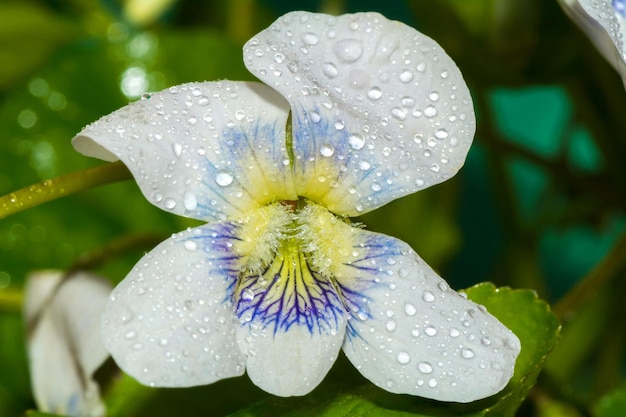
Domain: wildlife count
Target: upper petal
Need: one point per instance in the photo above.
(410, 333)
(292, 324)
(379, 110)
(62, 315)
(170, 322)
(604, 22)
(202, 150)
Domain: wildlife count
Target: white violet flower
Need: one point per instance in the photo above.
(62, 314)
(278, 280)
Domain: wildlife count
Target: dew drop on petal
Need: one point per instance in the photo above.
(410, 309)
(390, 325)
(454, 332)
(428, 296)
(191, 245)
(403, 358)
(190, 201)
(177, 148)
(441, 133)
(348, 50)
(169, 203)
(424, 367)
(327, 150)
(467, 353)
(434, 96)
(432, 382)
(374, 93)
(430, 111)
(430, 330)
(330, 70)
(247, 295)
(356, 141)
(310, 39)
(223, 179)
(406, 76)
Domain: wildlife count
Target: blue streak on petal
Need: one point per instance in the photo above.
(288, 293)
(377, 250)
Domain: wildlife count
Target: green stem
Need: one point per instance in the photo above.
(62, 186)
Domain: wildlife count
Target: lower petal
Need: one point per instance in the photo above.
(170, 322)
(410, 333)
(292, 324)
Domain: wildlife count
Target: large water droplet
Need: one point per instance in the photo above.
(247, 295)
(428, 296)
(424, 367)
(348, 50)
(406, 76)
(430, 111)
(329, 69)
(430, 330)
(223, 178)
(356, 141)
(410, 309)
(310, 39)
(374, 93)
(191, 245)
(327, 150)
(390, 325)
(403, 358)
(467, 353)
(189, 201)
(441, 133)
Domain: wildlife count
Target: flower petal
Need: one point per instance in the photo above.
(62, 315)
(292, 324)
(170, 322)
(201, 150)
(379, 110)
(410, 333)
(604, 22)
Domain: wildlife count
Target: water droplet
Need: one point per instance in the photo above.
(310, 39)
(434, 96)
(398, 113)
(240, 115)
(189, 201)
(224, 179)
(348, 50)
(330, 70)
(410, 309)
(430, 111)
(485, 340)
(424, 367)
(315, 117)
(441, 133)
(454, 332)
(374, 93)
(403, 358)
(169, 203)
(407, 102)
(279, 58)
(191, 245)
(130, 335)
(339, 124)
(432, 382)
(406, 76)
(444, 74)
(434, 167)
(390, 325)
(430, 330)
(146, 96)
(364, 165)
(356, 141)
(467, 353)
(428, 296)
(247, 295)
(327, 150)
(177, 148)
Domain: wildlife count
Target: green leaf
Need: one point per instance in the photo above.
(28, 35)
(537, 328)
(612, 404)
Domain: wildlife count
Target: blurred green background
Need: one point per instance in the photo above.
(540, 203)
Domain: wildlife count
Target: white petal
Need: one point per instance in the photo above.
(410, 333)
(292, 324)
(201, 150)
(379, 110)
(604, 21)
(170, 322)
(62, 315)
